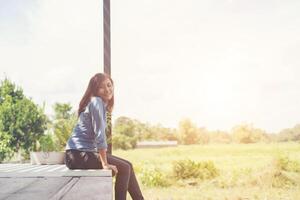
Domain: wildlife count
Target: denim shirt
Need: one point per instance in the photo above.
(89, 132)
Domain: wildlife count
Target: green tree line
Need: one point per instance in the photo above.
(126, 133)
(24, 127)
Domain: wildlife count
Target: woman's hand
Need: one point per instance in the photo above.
(103, 158)
(112, 167)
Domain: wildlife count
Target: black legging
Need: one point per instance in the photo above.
(125, 179)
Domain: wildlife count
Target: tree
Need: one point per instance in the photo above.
(163, 133)
(64, 122)
(246, 133)
(62, 110)
(290, 134)
(5, 150)
(21, 119)
(125, 133)
(188, 132)
(125, 126)
(220, 137)
(144, 131)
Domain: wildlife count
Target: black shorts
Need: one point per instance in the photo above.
(76, 159)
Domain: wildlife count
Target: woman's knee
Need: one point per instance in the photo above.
(124, 168)
(128, 163)
(123, 165)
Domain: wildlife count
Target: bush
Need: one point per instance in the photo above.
(62, 129)
(5, 150)
(283, 162)
(63, 123)
(271, 177)
(277, 175)
(281, 180)
(46, 143)
(154, 178)
(185, 169)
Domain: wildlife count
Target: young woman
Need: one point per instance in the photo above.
(86, 147)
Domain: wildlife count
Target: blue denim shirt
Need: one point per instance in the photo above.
(89, 132)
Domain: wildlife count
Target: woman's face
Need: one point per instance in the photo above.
(106, 90)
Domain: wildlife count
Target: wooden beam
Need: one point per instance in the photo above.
(106, 30)
(107, 62)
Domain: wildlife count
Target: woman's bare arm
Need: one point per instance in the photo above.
(105, 165)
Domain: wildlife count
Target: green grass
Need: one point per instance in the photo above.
(247, 171)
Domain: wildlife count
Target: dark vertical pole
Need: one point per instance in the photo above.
(107, 65)
(106, 29)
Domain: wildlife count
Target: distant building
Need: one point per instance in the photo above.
(156, 144)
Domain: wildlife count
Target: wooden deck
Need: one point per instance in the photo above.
(38, 182)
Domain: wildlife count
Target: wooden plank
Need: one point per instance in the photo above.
(63, 191)
(40, 188)
(10, 186)
(98, 173)
(92, 188)
(27, 170)
(24, 181)
(90, 172)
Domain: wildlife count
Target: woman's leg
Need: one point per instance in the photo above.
(125, 179)
(133, 187)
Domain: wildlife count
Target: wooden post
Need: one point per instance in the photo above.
(107, 65)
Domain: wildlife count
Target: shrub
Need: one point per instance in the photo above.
(281, 180)
(63, 123)
(46, 143)
(5, 150)
(185, 169)
(154, 178)
(271, 177)
(283, 162)
(278, 175)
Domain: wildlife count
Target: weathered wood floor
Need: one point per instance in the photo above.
(38, 182)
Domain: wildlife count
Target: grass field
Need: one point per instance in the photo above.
(246, 171)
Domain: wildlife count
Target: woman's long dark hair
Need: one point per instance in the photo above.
(92, 90)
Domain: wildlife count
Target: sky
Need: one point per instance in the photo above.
(218, 62)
